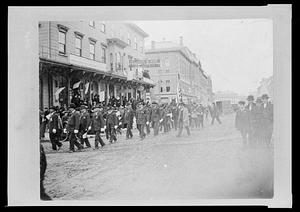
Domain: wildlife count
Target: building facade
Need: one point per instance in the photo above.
(177, 74)
(89, 58)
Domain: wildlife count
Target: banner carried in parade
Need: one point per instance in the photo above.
(86, 87)
(58, 92)
(76, 85)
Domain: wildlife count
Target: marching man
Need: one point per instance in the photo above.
(73, 127)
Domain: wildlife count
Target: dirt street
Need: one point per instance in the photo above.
(211, 163)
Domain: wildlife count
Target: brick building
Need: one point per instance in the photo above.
(177, 74)
(89, 58)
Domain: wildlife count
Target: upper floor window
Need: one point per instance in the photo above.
(128, 39)
(141, 47)
(167, 71)
(92, 50)
(92, 23)
(103, 54)
(135, 43)
(103, 26)
(168, 81)
(167, 62)
(168, 89)
(62, 41)
(118, 61)
(78, 45)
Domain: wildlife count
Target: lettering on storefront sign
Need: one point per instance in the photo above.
(148, 63)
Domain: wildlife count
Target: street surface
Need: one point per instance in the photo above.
(211, 163)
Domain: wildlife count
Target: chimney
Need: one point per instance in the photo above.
(181, 41)
(152, 44)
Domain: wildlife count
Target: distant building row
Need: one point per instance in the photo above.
(108, 59)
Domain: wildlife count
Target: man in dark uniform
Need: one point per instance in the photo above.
(112, 123)
(141, 119)
(54, 128)
(215, 113)
(267, 119)
(73, 127)
(98, 126)
(128, 120)
(175, 113)
(242, 122)
(250, 107)
(148, 113)
(256, 124)
(155, 117)
(84, 126)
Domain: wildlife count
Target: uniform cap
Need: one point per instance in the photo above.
(250, 97)
(265, 96)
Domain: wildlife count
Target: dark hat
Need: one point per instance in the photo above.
(53, 108)
(265, 96)
(83, 107)
(258, 100)
(250, 97)
(72, 105)
(242, 102)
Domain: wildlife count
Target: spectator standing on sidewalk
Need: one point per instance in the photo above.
(242, 122)
(267, 119)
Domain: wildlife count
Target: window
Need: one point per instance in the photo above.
(62, 42)
(111, 61)
(168, 81)
(167, 71)
(128, 39)
(92, 51)
(135, 43)
(92, 23)
(78, 45)
(167, 62)
(103, 54)
(141, 46)
(168, 89)
(118, 61)
(161, 89)
(103, 26)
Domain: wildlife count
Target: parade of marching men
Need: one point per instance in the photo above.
(101, 88)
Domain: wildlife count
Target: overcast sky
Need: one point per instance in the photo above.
(237, 54)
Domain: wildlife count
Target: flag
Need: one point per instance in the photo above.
(86, 87)
(57, 92)
(76, 85)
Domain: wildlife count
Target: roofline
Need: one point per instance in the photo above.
(137, 29)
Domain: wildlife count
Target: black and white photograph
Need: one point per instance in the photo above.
(130, 110)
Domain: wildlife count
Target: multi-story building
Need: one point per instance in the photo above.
(177, 73)
(89, 58)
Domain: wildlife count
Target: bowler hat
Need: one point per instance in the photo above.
(83, 107)
(265, 96)
(53, 108)
(250, 97)
(72, 105)
(258, 100)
